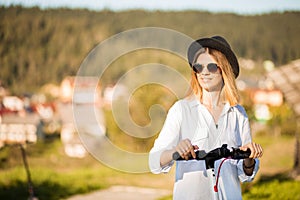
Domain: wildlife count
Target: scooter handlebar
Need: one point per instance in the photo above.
(216, 154)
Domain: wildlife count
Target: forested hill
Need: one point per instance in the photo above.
(41, 46)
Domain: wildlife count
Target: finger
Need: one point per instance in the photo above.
(190, 151)
(186, 156)
(180, 151)
(184, 145)
(195, 147)
(260, 151)
(244, 148)
(187, 141)
(183, 153)
(186, 149)
(252, 149)
(181, 148)
(193, 153)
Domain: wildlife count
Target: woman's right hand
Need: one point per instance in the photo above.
(186, 149)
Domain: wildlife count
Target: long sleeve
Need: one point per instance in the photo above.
(167, 139)
(246, 138)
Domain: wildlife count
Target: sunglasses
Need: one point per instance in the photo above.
(211, 67)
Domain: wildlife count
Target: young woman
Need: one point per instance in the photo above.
(207, 118)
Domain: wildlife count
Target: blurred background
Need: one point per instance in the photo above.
(42, 45)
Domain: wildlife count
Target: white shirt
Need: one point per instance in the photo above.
(188, 118)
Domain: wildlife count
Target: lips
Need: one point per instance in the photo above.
(206, 79)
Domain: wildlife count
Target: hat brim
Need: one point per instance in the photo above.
(214, 44)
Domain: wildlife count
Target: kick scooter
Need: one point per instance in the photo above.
(211, 157)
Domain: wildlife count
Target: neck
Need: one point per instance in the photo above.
(211, 99)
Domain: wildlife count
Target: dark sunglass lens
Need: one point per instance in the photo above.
(198, 68)
(212, 67)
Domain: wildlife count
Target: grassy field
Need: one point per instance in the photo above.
(56, 176)
(273, 181)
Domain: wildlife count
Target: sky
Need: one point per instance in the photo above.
(235, 6)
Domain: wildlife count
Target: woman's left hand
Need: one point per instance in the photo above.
(256, 150)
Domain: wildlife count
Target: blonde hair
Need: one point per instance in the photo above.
(229, 91)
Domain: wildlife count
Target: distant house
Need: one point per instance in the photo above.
(80, 89)
(262, 100)
(26, 119)
(85, 93)
(13, 103)
(18, 129)
(272, 97)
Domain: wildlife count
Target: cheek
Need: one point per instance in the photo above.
(219, 80)
(219, 83)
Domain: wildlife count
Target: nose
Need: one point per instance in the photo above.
(205, 71)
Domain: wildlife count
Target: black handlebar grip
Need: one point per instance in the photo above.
(239, 154)
(176, 156)
(200, 155)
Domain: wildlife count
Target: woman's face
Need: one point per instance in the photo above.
(209, 81)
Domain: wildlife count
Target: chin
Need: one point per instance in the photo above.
(211, 89)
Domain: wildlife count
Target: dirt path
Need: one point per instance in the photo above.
(124, 193)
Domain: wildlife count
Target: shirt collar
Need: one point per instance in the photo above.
(227, 108)
(193, 101)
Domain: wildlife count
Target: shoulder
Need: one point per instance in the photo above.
(182, 105)
(240, 110)
(176, 106)
(185, 103)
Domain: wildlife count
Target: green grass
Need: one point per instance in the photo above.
(54, 176)
(57, 176)
(47, 183)
(274, 187)
(269, 188)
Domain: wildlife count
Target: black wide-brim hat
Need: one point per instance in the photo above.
(218, 43)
